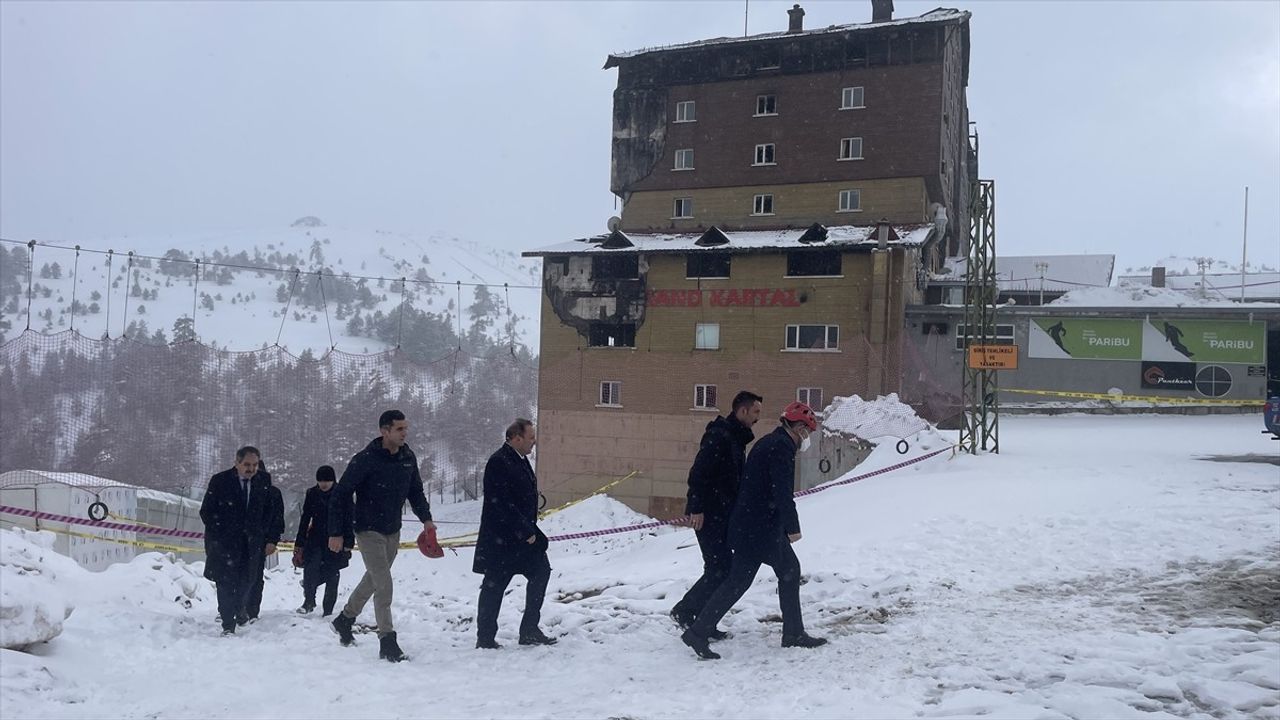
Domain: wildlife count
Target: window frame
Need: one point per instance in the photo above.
(828, 345)
(767, 100)
(709, 392)
(847, 143)
(849, 192)
(758, 205)
(620, 333)
(615, 394)
(677, 207)
(1002, 337)
(847, 92)
(705, 257)
(699, 336)
(808, 397)
(679, 154)
(691, 115)
(765, 150)
(796, 253)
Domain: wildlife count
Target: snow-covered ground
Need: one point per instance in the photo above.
(1118, 566)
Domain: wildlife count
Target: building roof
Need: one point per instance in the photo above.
(14, 479)
(1018, 273)
(940, 15)
(838, 236)
(1220, 286)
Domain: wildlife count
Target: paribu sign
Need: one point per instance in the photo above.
(734, 297)
(1153, 340)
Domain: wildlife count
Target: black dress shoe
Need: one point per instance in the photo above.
(488, 645)
(699, 645)
(803, 640)
(536, 637)
(717, 634)
(682, 620)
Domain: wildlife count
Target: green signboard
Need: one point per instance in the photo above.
(1205, 341)
(1085, 339)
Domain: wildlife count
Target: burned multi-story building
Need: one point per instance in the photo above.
(783, 199)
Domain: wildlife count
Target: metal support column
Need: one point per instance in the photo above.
(981, 429)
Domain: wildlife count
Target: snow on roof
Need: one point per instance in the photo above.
(739, 240)
(1018, 273)
(1219, 286)
(886, 416)
(1136, 295)
(26, 478)
(940, 15)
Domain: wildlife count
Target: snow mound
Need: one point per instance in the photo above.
(1127, 294)
(886, 416)
(310, 221)
(594, 513)
(34, 596)
(156, 580)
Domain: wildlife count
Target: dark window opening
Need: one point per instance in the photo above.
(813, 263)
(707, 265)
(615, 267)
(612, 335)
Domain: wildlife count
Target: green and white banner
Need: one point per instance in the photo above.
(1159, 340)
(1204, 341)
(1085, 339)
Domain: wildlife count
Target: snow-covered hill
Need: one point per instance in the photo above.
(242, 309)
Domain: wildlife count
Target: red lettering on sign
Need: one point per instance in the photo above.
(749, 297)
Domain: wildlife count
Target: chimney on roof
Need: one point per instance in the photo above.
(1157, 276)
(796, 17)
(881, 10)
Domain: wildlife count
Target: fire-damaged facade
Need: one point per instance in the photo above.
(784, 197)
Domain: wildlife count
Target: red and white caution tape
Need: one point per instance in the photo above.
(100, 524)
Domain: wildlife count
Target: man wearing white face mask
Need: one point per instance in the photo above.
(762, 528)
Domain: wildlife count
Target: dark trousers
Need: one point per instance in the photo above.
(253, 592)
(717, 560)
(316, 573)
(786, 566)
(537, 572)
(233, 587)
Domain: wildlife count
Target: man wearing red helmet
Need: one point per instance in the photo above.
(762, 528)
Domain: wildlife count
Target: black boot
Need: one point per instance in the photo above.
(390, 649)
(682, 619)
(307, 606)
(699, 645)
(803, 640)
(717, 634)
(342, 625)
(536, 637)
(487, 644)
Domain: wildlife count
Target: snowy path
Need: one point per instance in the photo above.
(1096, 568)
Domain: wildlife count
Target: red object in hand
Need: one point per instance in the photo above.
(297, 557)
(428, 544)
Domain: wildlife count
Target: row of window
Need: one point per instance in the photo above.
(704, 395)
(718, 265)
(851, 98)
(706, 336)
(766, 154)
(849, 200)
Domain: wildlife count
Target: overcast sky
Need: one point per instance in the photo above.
(1129, 128)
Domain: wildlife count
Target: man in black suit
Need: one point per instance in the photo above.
(509, 542)
(234, 512)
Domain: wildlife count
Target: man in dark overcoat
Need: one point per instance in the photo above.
(509, 542)
(762, 528)
(234, 512)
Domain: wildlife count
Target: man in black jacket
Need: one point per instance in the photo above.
(274, 528)
(762, 527)
(320, 566)
(509, 542)
(713, 488)
(380, 478)
(236, 534)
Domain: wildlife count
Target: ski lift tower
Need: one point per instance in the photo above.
(981, 428)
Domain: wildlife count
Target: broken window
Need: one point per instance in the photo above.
(813, 263)
(612, 335)
(615, 267)
(707, 265)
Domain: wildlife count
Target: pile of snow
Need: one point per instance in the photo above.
(35, 595)
(1131, 294)
(599, 512)
(886, 416)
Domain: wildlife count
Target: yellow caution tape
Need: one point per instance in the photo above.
(1136, 398)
